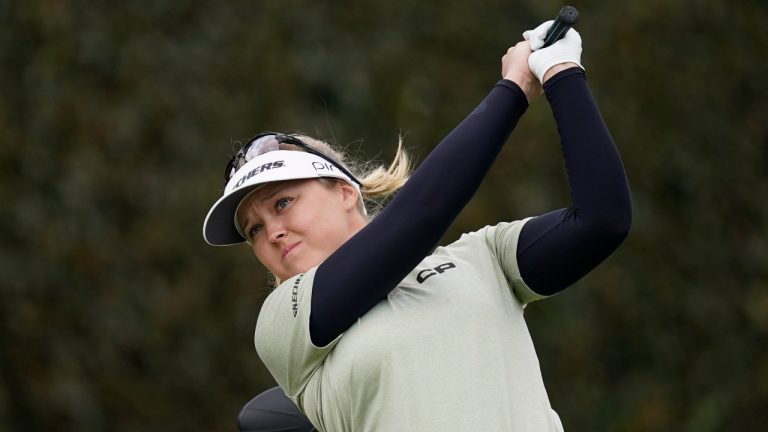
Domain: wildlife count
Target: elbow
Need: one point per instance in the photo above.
(614, 226)
(610, 226)
(613, 213)
(624, 220)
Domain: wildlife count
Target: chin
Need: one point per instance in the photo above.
(287, 274)
(302, 267)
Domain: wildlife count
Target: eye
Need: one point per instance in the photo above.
(282, 203)
(253, 230)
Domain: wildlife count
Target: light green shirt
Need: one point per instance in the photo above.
(447, 350)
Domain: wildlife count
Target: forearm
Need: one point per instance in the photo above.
(599, 187)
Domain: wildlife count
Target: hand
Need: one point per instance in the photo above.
(565, 51)
(514, 67)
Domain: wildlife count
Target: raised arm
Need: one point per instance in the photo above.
(558, 248)
(368, 266)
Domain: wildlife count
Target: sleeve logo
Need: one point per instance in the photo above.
(428, 273)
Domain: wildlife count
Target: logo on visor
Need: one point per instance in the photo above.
(259, 169)
(323, 166)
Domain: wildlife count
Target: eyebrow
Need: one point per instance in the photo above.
(269, 195)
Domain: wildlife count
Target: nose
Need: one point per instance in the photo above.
(275, 232)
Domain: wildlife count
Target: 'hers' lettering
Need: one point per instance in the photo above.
(259, 169)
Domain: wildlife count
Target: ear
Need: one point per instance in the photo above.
(349, 195)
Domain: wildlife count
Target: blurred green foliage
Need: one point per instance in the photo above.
(116, 120)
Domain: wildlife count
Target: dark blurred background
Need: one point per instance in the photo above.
(117, 118)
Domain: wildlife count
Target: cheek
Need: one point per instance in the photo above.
(331, 232)
(261, 253)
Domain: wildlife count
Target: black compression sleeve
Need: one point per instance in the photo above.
(558, 248)
(368, 266)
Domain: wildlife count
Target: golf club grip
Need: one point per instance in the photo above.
(566, 19)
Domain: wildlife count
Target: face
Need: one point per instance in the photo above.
(295, 225)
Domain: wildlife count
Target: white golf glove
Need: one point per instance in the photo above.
(565, 50)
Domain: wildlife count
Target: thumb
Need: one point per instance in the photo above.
(536, 36)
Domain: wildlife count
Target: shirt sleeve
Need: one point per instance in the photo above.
(282, 335)
(502, 241)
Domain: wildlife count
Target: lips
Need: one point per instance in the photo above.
(288, 250)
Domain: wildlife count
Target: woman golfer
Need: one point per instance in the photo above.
(375, 328)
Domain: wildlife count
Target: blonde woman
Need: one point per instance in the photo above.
(375, 328)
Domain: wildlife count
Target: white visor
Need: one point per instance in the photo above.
(220, 226)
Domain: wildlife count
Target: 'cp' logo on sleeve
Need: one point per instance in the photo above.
(428, 273)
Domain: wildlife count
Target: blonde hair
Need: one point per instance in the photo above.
(377, 183)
